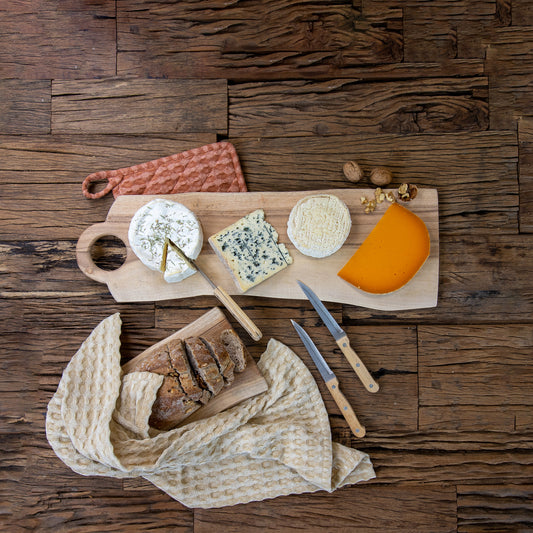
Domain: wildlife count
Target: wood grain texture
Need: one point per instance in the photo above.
(510, 67)
(75, 502)
(474, 366)
(437, 91)
(259, 27)
(26, 164)
(502, 507)
(451, 29)
(40, 41)
(340, 107)
(280, 65)
(475, 174)
(139, 106)
(27, 110)
(525, 174)
(407, 507)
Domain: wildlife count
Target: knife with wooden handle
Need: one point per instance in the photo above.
(227, 301)
(342, 340)
(331, 381)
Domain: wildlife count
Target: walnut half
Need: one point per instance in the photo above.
(407, 192)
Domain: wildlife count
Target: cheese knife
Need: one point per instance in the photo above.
(341, 339)
(331, 381)
(229, 303)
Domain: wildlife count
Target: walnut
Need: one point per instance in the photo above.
(379, 195)
(380, 176)
(390, 197)
(370, 206)
(407, 192)
(352, 171)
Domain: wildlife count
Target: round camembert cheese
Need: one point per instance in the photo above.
(157, 220)
(319, 225)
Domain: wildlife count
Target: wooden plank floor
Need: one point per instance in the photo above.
(439, 92)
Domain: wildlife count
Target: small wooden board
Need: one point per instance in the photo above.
(247, 383)
(134, 282)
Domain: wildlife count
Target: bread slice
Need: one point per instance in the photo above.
(182, 370)
(235, 348)
(220, 355)
(171, 405)
(204, 365)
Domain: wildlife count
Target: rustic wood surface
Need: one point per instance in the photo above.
(439, 92)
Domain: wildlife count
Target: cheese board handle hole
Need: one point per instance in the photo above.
(108, 252)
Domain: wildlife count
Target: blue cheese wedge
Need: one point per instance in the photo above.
(157, 220)
(250, 250)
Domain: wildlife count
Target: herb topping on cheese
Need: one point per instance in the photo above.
(157, 220)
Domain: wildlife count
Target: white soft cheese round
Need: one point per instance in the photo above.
(319, 225)
(157, 220)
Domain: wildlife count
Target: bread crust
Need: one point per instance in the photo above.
(235, 348)
(204, 365)
(182, 368)
(195, 370)
(171, 405)
(219, 353)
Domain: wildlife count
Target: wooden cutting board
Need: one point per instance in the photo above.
(246, 384)
(134, 282)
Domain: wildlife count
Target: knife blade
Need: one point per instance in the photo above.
(331, 381)
(229, 303)
(341, 339)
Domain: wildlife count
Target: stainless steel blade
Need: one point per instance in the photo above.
(317, 357)
(325, 315)
(189, 262)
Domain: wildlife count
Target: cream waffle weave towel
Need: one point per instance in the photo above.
(274, 444)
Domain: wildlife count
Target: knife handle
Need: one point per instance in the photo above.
(242, 318)
(357, 365)
(346, 409)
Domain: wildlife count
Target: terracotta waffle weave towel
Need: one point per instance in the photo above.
(211, 168)
(274, 444)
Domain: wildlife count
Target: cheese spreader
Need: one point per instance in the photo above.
(229, 303)
(341, 338)
(331, 381)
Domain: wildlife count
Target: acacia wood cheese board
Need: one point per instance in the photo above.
(134, 282)
(248, 383)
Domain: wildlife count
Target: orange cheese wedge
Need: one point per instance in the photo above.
(392, 253)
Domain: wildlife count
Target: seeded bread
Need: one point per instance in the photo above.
(220, 355)
(171, 405)
(159, 363)
(235, 348)
(194, 370)
(182, 370)
(204, 365)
